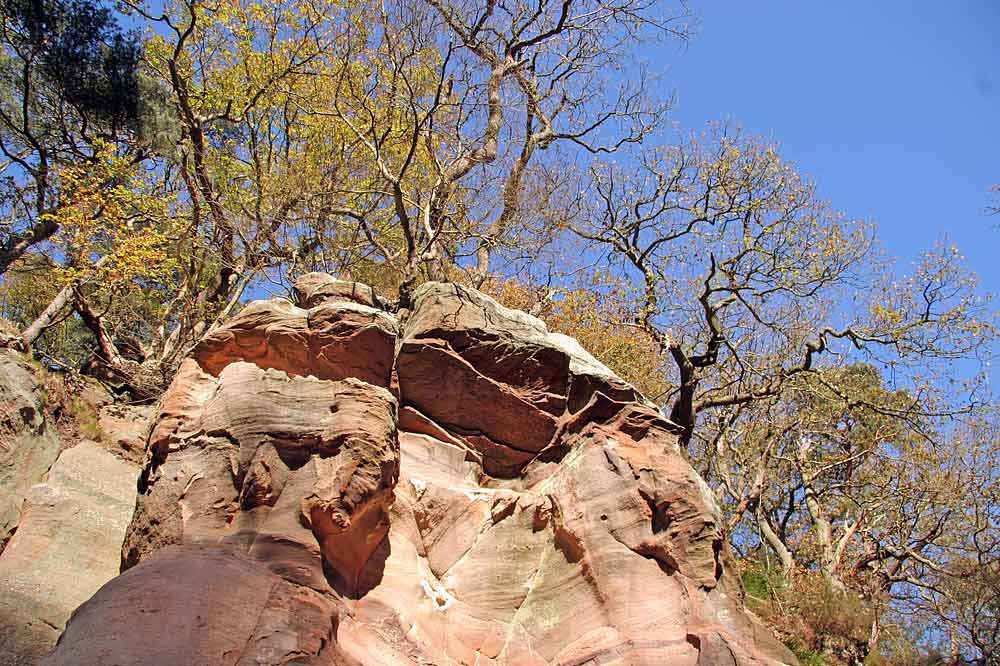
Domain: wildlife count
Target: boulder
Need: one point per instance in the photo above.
(28, 445)
(65, 548)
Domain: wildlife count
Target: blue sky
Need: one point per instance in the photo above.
(893, 106)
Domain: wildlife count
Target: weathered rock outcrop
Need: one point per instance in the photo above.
(65, 548)
(28, 446)
(329, 482)
(62, 514)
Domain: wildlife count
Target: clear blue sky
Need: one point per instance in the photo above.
(893, 106)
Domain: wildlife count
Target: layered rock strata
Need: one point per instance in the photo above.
(331, 482)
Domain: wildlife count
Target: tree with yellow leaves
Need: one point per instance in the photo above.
(70, 81)
(112, 237)
(461, 113)
(236, 181)
(366, 138)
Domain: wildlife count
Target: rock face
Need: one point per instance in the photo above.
(28, 447)
(62, 515)
(65, 548)
(329, 483)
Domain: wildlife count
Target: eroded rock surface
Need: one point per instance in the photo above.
(28, 446)
(65, 548)
(332, 483)
(124, 430)
(193, 605)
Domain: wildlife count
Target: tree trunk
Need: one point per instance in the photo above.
(53, 309)
(876, 632)
(779, 548)
(44, 320)
(17, 244)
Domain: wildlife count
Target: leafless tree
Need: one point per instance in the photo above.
(743, 272)
(458, 101)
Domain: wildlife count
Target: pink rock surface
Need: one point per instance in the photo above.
(193, 605)
(510, 502)
(65, 548)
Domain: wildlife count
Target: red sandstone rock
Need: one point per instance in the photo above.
(65, 548)
(514, 504)
(332, 340)
(28, 445)
(201, 607)
(314, 289)
(220, 471)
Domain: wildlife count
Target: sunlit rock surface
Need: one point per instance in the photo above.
(65, 547)
(28, 445)
(330, 482)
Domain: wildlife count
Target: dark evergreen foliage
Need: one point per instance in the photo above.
(85, 55)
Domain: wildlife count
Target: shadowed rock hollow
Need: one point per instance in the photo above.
(330, 482)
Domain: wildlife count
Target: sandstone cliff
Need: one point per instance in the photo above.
(331, 482)
(64, 507)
